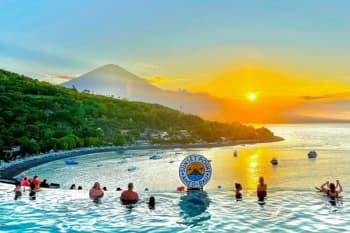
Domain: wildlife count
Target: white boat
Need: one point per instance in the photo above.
(274, 161)
(312, 154)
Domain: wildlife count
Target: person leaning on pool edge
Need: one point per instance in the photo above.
(129, 196)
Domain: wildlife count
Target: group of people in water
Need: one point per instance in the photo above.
(261, 190)
(33, 183)
(332, 190)
(73, 187)
(129, 196)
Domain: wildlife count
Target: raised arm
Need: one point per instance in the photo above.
(340, 188)
(324, 187)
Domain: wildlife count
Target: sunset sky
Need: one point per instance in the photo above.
(294, 56)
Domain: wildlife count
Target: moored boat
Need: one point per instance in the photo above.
(312, 154)
(274, 161)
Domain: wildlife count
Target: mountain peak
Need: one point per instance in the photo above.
(111, 68)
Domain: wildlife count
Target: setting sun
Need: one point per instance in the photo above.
(251, 96)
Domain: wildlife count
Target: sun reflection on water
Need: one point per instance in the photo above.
(246, 168)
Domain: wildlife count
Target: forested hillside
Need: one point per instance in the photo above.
(38, 117)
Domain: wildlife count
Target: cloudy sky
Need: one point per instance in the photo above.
(293, 55)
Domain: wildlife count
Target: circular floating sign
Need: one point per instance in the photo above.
(195, 171)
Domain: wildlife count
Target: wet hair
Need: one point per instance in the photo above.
(72, 186)
(80, 188)
(35, 177)
(104, 188)
(96, 185)
(130, 185)
(238, 185)
(146, 189)
(118, 189)
(332, 186)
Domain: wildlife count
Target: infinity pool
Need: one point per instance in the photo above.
(213, 211)
(292, 204)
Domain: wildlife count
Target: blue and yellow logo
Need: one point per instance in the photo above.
(195, 171)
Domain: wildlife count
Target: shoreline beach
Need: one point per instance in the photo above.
(18, 166)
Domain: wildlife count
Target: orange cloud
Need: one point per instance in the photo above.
(237, 82)
(156, 80)
(280, 95)
(58, 79)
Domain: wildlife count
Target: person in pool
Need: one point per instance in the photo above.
(129, 196)
(44, 184)
(238, 187)
(36, 182)
(96, 192)
(332, 190)
(18, 190)
(72, 187)
(25, 182)
(32, 193)
(261, 190)
(152, 203)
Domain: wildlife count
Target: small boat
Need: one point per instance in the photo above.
(132, 168)
(235, 153)
(71, 162)
(312, 154)
(155, 157)
(274, 161)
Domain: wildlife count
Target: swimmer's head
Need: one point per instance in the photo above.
(130, 186)
(97, 185)
(332, 186)
(261, 180)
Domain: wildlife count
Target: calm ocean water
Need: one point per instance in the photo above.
(292, 204)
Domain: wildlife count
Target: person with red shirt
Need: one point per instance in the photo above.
(36, 182)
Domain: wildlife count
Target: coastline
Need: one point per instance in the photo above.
(18, 166)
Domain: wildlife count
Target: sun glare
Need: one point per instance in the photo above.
(251, 96)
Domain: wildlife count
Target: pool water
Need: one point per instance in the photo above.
(212, 211)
